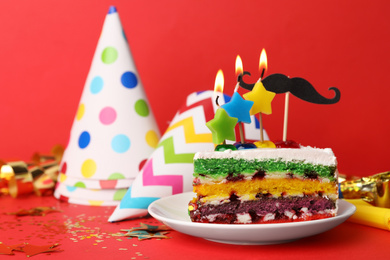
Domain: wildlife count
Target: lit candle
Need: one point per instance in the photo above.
(238, 107)
(218, 87)
(222, 125)
(262, 101)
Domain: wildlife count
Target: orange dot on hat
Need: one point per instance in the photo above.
(88, 169)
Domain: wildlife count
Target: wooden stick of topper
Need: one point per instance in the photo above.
(285, 120)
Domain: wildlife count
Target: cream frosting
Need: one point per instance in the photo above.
(305, 155)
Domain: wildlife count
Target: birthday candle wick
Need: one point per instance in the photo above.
(239, 78)
(216, 101)
(262, 75)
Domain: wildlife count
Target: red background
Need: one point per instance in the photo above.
(76, 227)
(47, 46)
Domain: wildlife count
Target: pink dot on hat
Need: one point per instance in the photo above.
(108, 184)
(107, 115)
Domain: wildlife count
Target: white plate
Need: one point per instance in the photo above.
(173, 212)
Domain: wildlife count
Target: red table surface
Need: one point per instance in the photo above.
(83, 231)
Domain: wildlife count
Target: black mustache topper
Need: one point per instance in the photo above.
(299, 87)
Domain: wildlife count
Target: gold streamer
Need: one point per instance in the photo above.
(20, 178)
(373, 189)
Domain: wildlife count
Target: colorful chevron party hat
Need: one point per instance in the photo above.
(114, 130)
(169, 169)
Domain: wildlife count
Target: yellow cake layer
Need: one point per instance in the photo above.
(276, 187)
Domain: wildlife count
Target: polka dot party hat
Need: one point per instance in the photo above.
(169, 169)
(114, 130)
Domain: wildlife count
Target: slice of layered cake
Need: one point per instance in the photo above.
(264, 186)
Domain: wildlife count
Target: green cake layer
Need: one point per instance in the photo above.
(222, 167)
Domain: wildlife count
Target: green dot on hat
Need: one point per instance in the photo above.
(109, 55)
(119, 194)
(80, 185)
(141, 108)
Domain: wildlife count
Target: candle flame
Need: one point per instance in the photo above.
(239, 67)
(219, 82)
(263, 62)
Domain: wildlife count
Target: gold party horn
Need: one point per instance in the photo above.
(4, 178)
(20, 180)
(374, 189)
(382, 194)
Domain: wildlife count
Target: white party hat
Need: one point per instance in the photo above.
(114, 130)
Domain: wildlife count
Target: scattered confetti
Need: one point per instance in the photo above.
(37, 211)
(72, 227)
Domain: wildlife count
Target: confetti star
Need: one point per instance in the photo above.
(239, 108)
(143, 234)
(262, 99)
(147, 227)
(145, 231)
(31, 250)
(222, 126)
(7, 250)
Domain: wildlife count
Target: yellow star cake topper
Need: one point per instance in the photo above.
(262, 99)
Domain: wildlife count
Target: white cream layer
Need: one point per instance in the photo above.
(304, 154)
